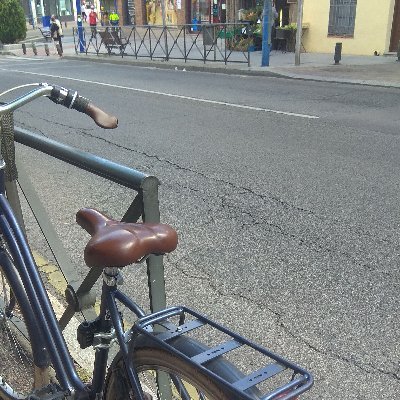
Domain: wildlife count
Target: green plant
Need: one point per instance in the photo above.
(253, 14)
(290, 27)
(12, 21)
(244, 44)
(240, 44)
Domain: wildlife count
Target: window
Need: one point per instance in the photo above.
(342, 16)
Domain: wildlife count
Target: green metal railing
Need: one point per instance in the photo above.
(145, 205)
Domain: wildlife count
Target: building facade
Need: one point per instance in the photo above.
(363, 27)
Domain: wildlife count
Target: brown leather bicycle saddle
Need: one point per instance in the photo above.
(117, 244)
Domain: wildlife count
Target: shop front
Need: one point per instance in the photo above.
(64, 9)
(154, 12)
(208, 11)
(179, 12)
(39, 11)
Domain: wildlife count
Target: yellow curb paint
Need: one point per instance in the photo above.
(48, 269)
(57, 280)
(40, 261)
(53, 273)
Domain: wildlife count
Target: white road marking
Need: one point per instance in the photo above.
(24, 58)
(223, 103)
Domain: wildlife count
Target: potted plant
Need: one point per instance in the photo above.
(288, 32)
(241, 44)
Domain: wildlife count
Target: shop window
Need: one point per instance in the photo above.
(201, 10)
(342, 17)
(154, 12)
(64, 7)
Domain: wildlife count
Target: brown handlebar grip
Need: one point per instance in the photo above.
(101, 118)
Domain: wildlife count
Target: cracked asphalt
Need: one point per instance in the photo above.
(288, 225)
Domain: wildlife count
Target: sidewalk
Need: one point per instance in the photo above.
(365, 70)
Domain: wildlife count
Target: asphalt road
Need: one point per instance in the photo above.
(284, 194)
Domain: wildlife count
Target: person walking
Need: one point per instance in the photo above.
(56, 33)
(83, 11)
(93, 20)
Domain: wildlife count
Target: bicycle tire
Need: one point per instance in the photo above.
(18, 373)
(148, 358)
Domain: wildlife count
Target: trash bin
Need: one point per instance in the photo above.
(46, 21)
(195, 25)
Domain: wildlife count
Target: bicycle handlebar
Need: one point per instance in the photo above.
(67, 98)
(71, 99)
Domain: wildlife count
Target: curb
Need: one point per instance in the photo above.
(276, 72)
(173, 65)
(248, 71)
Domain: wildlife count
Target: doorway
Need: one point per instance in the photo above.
(395, 36)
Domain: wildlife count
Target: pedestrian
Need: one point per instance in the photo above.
(56, 33)
(83, 11)
(93, 20)
(273, 20)
(104, 16)
(114, 18)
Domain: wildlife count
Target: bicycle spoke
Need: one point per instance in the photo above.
(181, 390)
(15, 358)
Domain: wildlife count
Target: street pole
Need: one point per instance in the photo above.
(163, 15)
(32, 6)
(79, 25)
(266, 40)
(299, 32)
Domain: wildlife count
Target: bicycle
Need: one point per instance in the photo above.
(159, 355)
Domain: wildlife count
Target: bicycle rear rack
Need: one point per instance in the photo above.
(159, 328)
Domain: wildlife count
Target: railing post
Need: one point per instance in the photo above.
(226, 59)
(184, 41)
(166, 43)
(151, 52)
(155, 268)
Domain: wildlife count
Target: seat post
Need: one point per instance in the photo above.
(112, 276)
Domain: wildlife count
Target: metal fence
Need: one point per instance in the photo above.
(227, 43)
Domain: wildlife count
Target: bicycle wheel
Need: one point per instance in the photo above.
(185, 381)
(17, 368)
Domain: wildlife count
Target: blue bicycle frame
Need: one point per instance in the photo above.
(35, 303)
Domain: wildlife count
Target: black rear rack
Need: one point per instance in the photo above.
(159, 328)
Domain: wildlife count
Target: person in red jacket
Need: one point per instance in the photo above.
(93, 20)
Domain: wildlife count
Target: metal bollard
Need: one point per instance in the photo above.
(24, 48)
(46, 49)
(398, 51)
(338, 53)
(34, 48)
